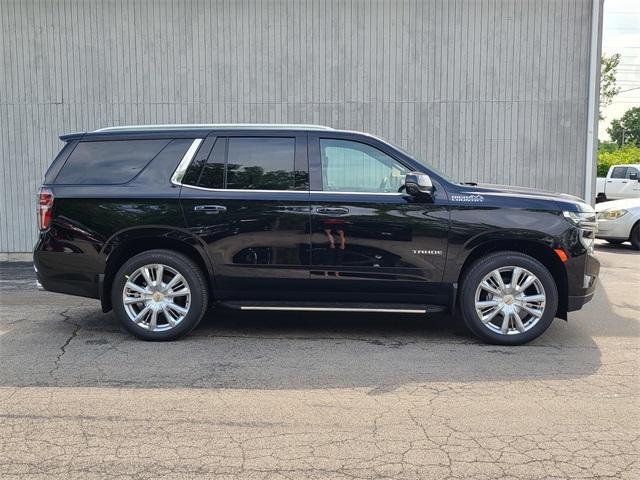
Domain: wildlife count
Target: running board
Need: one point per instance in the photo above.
(337, 307)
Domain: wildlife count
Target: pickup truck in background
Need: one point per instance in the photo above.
(622, 181)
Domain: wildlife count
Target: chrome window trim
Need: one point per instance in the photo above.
(244, 190)
(329, 192)
(249, 190)
(178, 174)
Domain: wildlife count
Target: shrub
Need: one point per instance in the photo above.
(627, 154)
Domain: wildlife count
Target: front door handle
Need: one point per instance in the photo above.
(212, 209)
(332, 211)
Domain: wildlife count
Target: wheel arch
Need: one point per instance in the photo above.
(635, 226)
(127, 244)
(541, 252)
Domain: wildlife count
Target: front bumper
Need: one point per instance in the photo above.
(619, 229)
(582, 276)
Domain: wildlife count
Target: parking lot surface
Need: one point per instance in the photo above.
(275, 396)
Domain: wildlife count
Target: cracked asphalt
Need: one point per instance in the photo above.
(264, 396)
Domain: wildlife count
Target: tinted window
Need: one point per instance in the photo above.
(631, 170)
(212, 174)
(356, 167)
(192, 174)
(110, 162)
(264, 163)
(619, 172)
(58, 162)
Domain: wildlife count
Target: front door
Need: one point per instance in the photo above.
(247, 198)
(368, 236)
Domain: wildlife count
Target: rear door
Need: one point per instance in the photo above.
(367, 237)
(247, 198)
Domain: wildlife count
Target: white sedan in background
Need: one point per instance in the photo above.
(619, 221)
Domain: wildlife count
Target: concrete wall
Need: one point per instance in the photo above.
(492, 91)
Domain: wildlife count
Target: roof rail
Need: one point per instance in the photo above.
(257, 126)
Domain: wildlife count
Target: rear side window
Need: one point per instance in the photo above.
(212, 175)
(261, 163)
(108, 162)
(619, 172)
(249, 163)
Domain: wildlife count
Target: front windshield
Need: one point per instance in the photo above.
(422, 162)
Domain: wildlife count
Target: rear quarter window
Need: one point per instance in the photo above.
(108, 162)
(58, 162)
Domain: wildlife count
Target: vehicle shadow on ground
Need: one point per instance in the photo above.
(617, 248)
(54, 340)
(252, 350)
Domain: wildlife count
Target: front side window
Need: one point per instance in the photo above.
(630, 171)
(349, 166)
(619, 172)
(261, 163)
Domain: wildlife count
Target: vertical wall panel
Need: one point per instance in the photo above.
(488, 90)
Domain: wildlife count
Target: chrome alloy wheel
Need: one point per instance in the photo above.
(510, 300)
(156, 297)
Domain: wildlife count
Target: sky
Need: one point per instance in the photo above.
(621, 34)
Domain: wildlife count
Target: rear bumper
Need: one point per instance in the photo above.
(64, 272)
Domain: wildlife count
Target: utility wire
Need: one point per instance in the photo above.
(628, 90)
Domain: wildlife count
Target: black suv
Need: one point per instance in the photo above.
(160, 222)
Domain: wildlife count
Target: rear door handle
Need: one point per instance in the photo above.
(332, 211)
(210, 208)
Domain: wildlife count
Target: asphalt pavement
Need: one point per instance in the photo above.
(290, 396)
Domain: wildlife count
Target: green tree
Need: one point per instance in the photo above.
(625, 155)
(608, 88)
(626, 130)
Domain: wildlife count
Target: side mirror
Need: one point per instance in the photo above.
(418, 183)
(634, 176)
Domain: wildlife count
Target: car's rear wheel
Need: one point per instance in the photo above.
(635, 236)
(508, 298)
(159, 295)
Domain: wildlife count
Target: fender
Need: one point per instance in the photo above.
(145, 236)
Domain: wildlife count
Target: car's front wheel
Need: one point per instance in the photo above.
(159, 295)
(508, 298)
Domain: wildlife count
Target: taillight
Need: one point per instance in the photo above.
(45, 207)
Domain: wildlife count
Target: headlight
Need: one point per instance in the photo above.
(580, 218)
(586, 223)
(611, 214)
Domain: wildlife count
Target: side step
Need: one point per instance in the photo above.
(336, 307)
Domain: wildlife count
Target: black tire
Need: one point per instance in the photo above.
(482, 267)
(184, 266)
(601, 198)
(634, 238)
